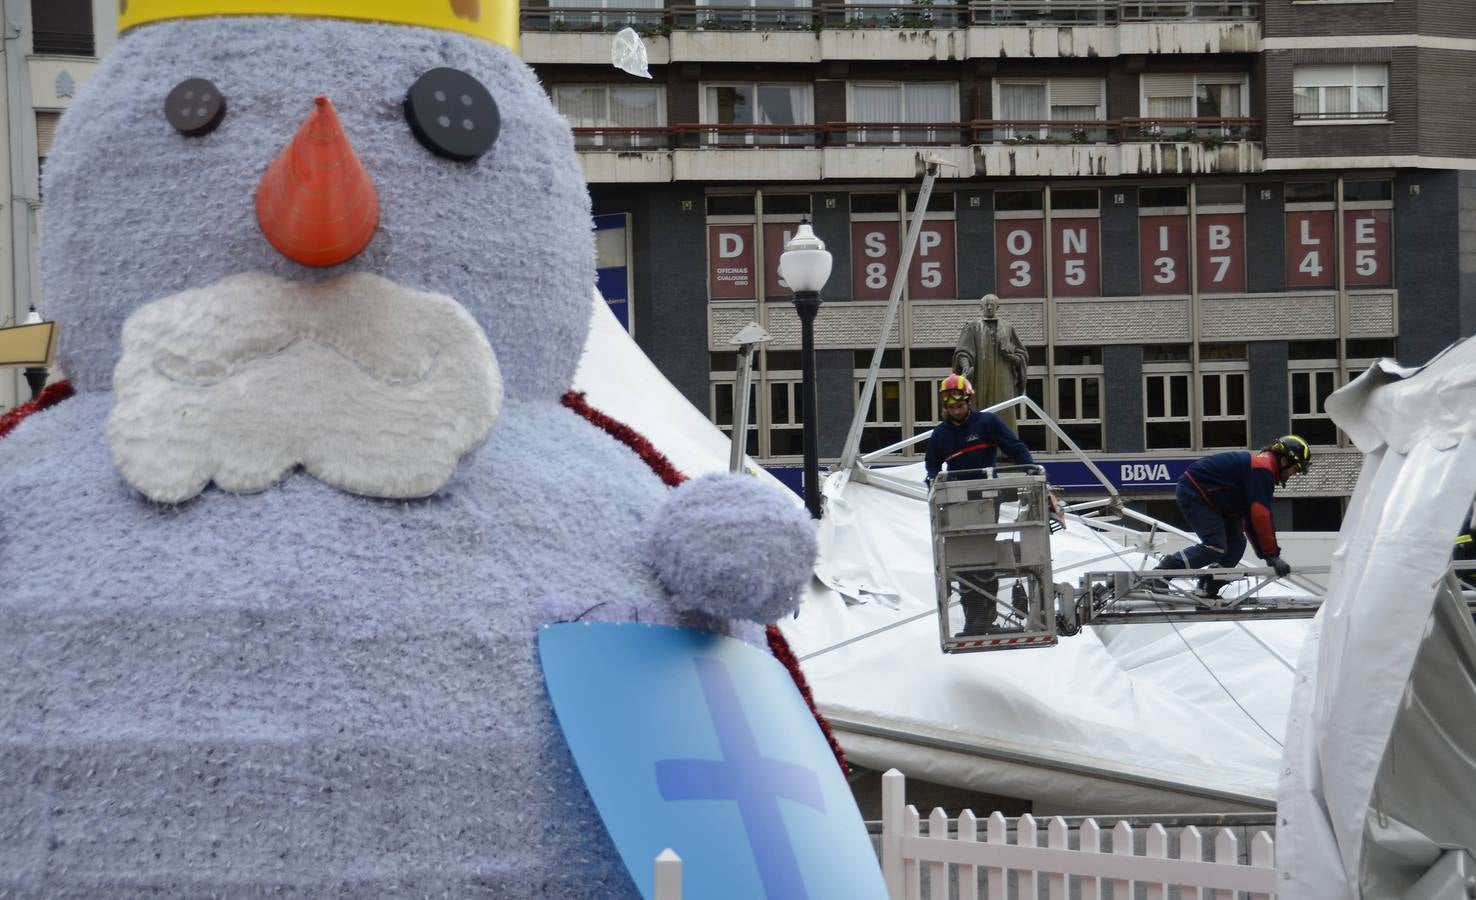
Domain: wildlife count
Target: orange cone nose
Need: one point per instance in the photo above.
(316, 203)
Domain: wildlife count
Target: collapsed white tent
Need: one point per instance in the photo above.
(1378, 779)
(1141, 718)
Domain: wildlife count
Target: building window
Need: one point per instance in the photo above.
(724, 410)
(926, 411)
(1224, 422)
(926, 103)
(756, 113)
(1193, 96)
(46, 123)
(1166, 421)
(1337, 93)
(1079, 409)
(786, 414)
(883, 425)
(1060, 108)
(1309, 390)
(1028, 426)
(62, 27)
(624, 115)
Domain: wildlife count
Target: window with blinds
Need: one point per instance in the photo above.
(45, 131)
(1190, 96)
(62, 27)
(613, 115)
(1340, 92)
(1031, 110)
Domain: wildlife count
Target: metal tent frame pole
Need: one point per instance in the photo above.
(858, 421)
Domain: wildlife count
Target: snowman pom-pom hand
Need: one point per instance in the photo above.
(732, 547)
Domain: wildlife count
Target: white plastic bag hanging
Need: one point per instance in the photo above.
(629, 53)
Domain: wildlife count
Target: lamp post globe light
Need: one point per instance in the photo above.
(35, 375)
(805, 267)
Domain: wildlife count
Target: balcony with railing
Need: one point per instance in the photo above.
(1127, 146)
(1206, 131)
(916, 14)
(869, 30)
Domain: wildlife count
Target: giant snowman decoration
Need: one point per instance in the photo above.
(270, 583)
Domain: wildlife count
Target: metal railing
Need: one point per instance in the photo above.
(644, 19)
(1035, 131)
(745, 18)
(1374, 115)
(739, 136)
(1210, 130)
(918, 14)
(622, 138)
(924, 14)
(1205, 131)
(911, 134)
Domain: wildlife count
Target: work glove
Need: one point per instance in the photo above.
(1282, 567)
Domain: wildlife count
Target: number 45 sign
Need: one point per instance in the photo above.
(1311, 255)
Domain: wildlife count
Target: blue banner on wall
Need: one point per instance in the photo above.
(612, 249)
(1140, 474)
(1134, 474)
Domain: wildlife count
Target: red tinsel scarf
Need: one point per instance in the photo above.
(669, 474)
(50, 396)
(672, 476)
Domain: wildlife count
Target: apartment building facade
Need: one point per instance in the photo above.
(50, 48)
(1201, 217)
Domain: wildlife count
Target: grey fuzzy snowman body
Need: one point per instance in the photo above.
(303, 689)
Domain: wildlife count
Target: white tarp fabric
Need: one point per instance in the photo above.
(1147, 718)
(1378, 770)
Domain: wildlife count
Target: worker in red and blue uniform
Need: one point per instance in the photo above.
(1226, 498)
(969, 440)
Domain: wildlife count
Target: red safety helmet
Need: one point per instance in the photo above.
(955, 388)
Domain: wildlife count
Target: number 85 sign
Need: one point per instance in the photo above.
(876, 253)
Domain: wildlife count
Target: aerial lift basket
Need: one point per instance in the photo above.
(992, 559)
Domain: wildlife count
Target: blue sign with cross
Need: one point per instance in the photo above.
(702, 744)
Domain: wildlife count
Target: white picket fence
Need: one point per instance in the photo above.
(905, 852)
(668, 876)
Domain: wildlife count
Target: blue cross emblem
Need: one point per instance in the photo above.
(702, 744)
(746, 777)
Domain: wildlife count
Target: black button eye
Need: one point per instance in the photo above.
(452, 114)
(195, 107)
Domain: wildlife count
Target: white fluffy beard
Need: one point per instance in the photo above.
(368, 385)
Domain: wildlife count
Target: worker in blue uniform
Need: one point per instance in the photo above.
(1226, 498)
(967, 440)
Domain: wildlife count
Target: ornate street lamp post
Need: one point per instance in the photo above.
(35, 375)
(805, 267)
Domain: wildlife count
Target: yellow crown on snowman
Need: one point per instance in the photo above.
(490, 20)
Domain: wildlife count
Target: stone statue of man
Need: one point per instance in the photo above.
(989, 353)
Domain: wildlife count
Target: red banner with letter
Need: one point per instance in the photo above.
(1076, 270)
(1163, 254)
(1019, 254)
(730, 262)
(1221, 253)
